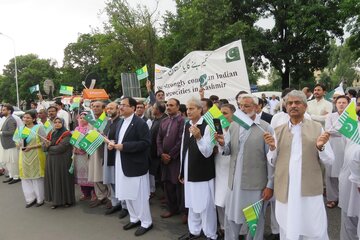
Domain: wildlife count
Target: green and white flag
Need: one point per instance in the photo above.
(48, 127)
(142, 73)
(67, 90)
(34, 88)
(252, 214)
(76, 137)
(209, 120)
(75, 103)
(339, 89)
(349, 123)
(242, 119)
(91, 142)
(101, 122)
(90, 118)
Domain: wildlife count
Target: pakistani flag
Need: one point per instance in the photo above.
(101, 122)
(35, 88)
(209, 120)
(142, 73)
(349, 123)
(216, 113)
(339, 89)
(91, 141)
(66, 90)
(242, 119)
(252, 214)
(48, 127)
(90, 118)
(76, 138)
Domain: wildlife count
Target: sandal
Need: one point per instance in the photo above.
(83, 198)
(331, 204)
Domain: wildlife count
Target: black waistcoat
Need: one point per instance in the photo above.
(200, 168)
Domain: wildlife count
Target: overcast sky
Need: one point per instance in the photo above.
(46, 27)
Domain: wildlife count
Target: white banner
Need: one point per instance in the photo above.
(221, 72)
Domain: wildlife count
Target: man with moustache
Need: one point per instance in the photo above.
(168, 148)
(319, 108)
(96, 164)
(296, 151)
(250, 175)
(132, 144)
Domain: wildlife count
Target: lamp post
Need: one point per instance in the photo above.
(16, 78)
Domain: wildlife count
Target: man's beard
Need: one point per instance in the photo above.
(251, 114)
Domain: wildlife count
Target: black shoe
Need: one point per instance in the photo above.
(113, 209)
(30, 204)
(15, 181)
(123, 213)
(131, 225)
(273, 237)
(8, 180)
(188, 236)
(39, 204)
(141, 230)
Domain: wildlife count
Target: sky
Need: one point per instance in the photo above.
(46, 27)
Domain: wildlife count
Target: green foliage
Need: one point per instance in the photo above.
(31, 71)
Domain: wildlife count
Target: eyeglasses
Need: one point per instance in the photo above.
(124, 105)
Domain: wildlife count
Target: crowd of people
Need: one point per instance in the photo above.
(290, 159)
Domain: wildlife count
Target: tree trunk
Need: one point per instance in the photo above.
(285, 79)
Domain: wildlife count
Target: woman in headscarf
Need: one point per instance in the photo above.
(81, 160)
(59, 182)
(32, 161)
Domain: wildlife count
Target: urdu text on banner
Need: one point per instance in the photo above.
(222, 72)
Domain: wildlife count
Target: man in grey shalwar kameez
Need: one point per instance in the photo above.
(250, 176)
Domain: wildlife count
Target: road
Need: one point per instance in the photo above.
(81, 222)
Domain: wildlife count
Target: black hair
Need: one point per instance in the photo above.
(352, 92)
(230, 106)
(209, 103)
(342, 96)
(160, 106)
(182, 108)
(52, 107)
(132, 101)
(9, 107)
(158, 91)
(33, 115)
(320, 85)
(177, 101)
(239, 93)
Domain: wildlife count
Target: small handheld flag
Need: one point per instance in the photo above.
(142, 73)
(34, 88)
(349, 123)
(48, 127)
(76, 138)
(91, 142)
(252, 214)
(242, 119)
(67, 90)
(101, 122)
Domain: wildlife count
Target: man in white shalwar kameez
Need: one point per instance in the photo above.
(250, 175)
(197, 174)
(132, 166)
(296, 151)
(349, 182)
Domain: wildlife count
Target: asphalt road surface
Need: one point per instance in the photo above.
(81, 222)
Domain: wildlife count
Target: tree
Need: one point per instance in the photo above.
(31, 71)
